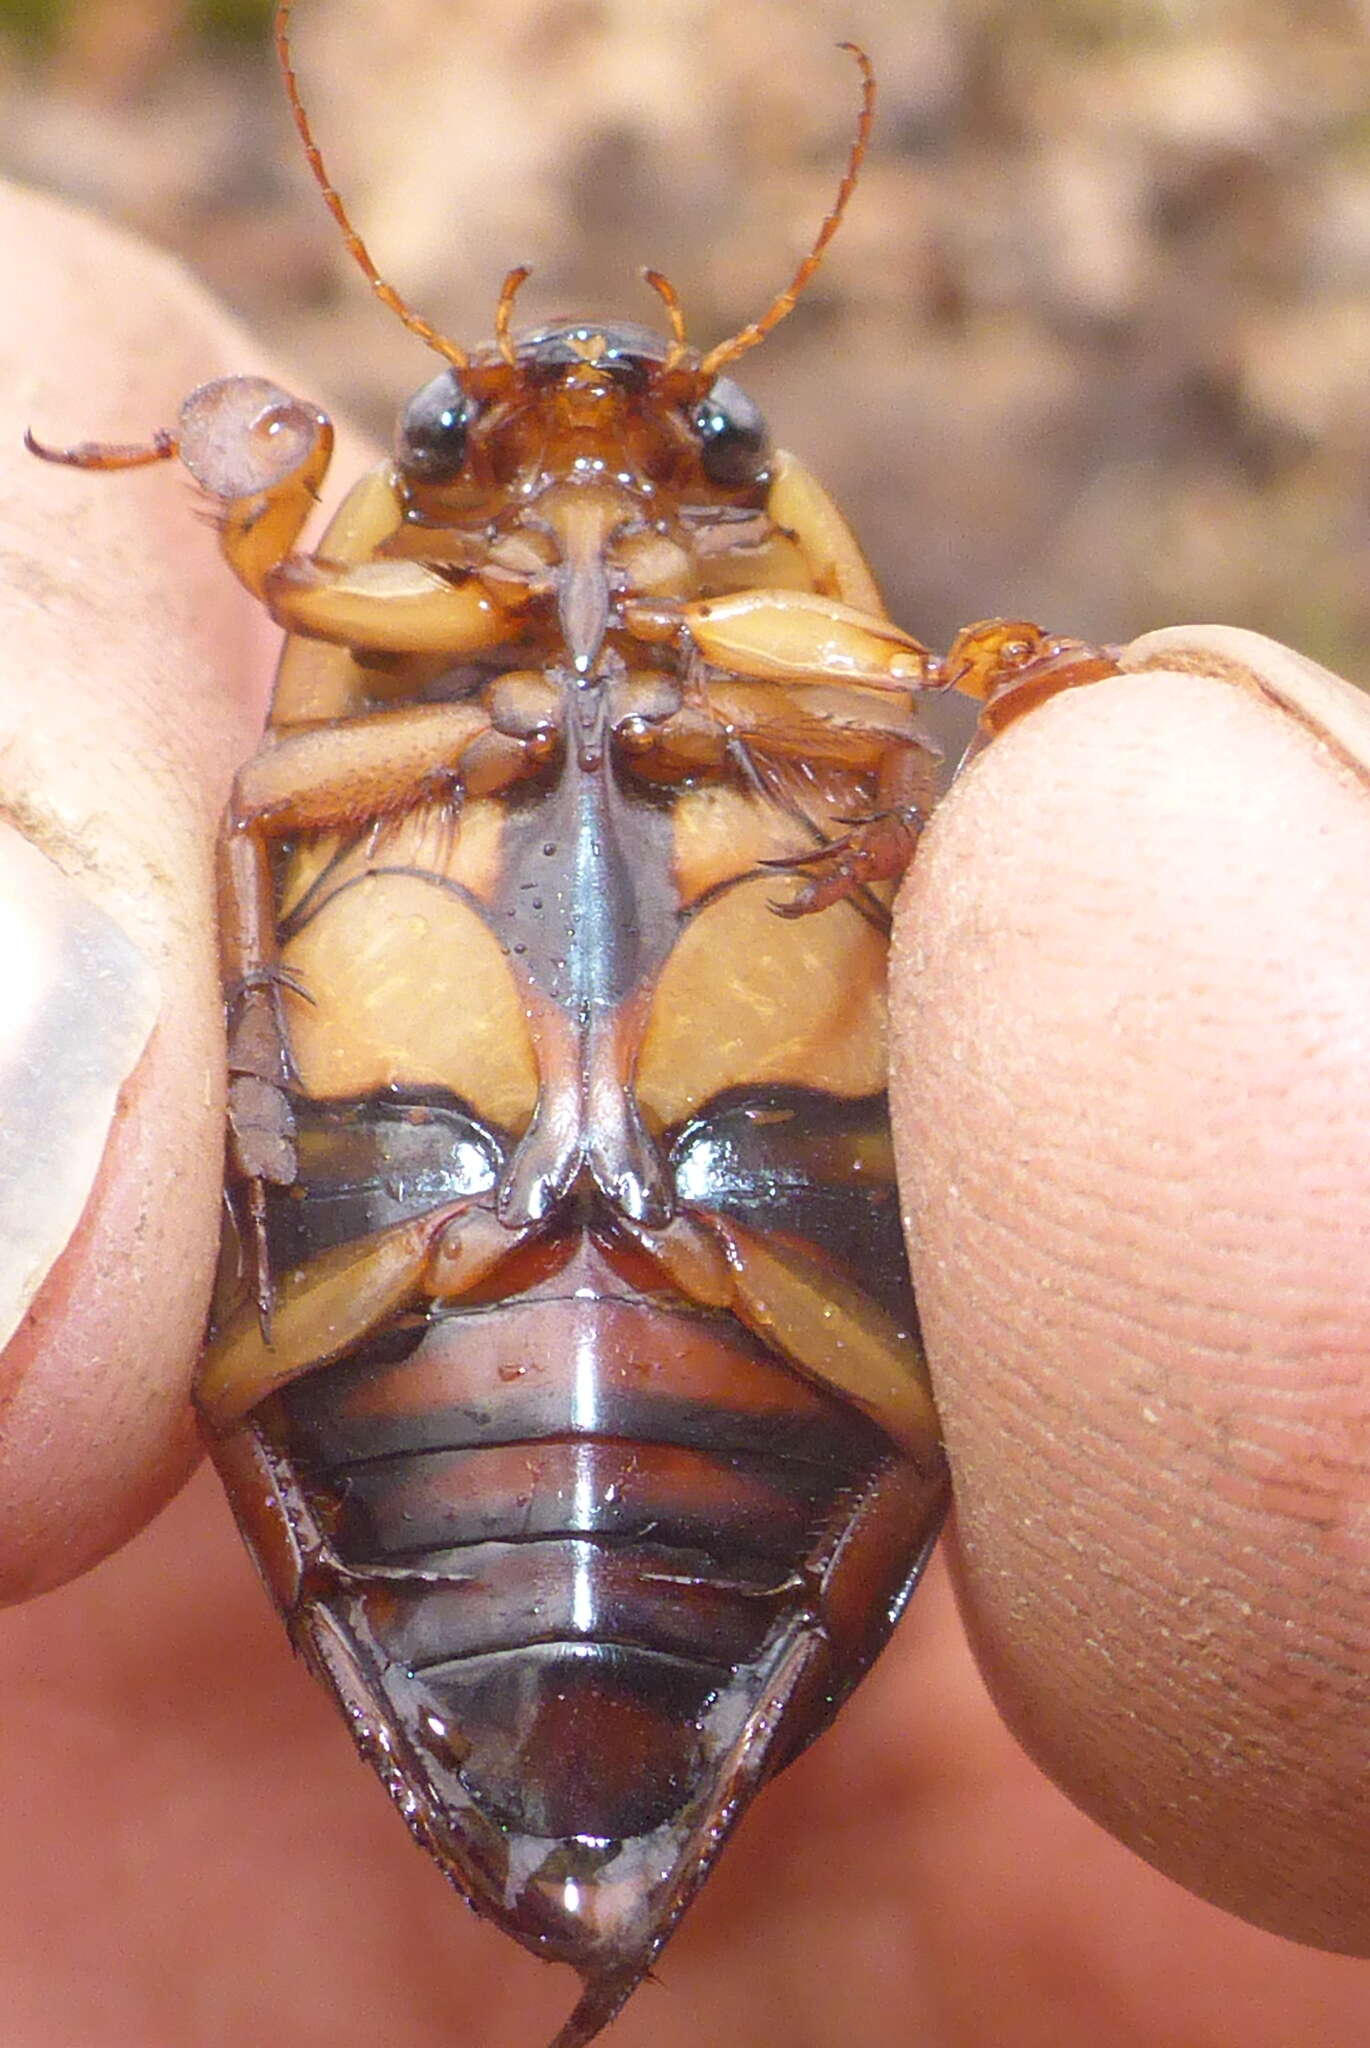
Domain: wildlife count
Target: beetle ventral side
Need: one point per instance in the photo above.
(564, 1370)
(565, 1374)
(566, 1382)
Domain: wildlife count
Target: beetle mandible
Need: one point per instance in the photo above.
(564, 1371)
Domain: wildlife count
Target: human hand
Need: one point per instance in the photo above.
(192, 1856)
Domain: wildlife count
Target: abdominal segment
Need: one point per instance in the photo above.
(589, 1563)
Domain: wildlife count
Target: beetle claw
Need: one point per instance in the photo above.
(878, 848)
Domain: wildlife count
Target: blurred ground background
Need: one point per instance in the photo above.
(1093, 345)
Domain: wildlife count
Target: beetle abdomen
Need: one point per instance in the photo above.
(561, 1524)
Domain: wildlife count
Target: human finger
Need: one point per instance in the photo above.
(133, 677)
(1131, 992)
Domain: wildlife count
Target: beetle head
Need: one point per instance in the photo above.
(580, 397)
(682, 377)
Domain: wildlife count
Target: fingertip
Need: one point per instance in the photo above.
(134, 675)
(1130, 988)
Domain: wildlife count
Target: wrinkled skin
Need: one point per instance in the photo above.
(1168, 1596)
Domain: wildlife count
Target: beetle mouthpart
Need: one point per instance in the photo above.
(675, 313)
(504, 311)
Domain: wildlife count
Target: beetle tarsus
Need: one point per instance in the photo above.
(106, 454)
(1012, 666)
(877, 849)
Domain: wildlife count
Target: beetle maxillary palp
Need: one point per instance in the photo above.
(675, 313)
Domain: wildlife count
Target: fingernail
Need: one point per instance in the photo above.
(1329, 706)
(78, 1000)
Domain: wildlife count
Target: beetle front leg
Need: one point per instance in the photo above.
(263, 455)
(259, 452)
(390, 607)
(1012, 666)
(787, 636)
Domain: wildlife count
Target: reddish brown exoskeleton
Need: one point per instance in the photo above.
(564, 1371)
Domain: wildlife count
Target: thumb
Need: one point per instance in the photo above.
(133, 674)
(1131, 997)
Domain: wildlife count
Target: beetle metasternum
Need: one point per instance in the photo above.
(564, 1371)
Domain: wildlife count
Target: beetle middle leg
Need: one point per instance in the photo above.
(880, 842)
(326, 778)
(851, 729)
(809, 678)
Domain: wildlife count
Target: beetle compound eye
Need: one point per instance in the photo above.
(734, 444)
(430, 445)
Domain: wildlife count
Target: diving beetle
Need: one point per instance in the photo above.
(564, 1368)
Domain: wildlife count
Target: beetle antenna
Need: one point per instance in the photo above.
(757, 330)
(508, 292)
(670, 299)
(356, 248)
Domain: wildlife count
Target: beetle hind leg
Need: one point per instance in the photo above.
(261, 1121)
